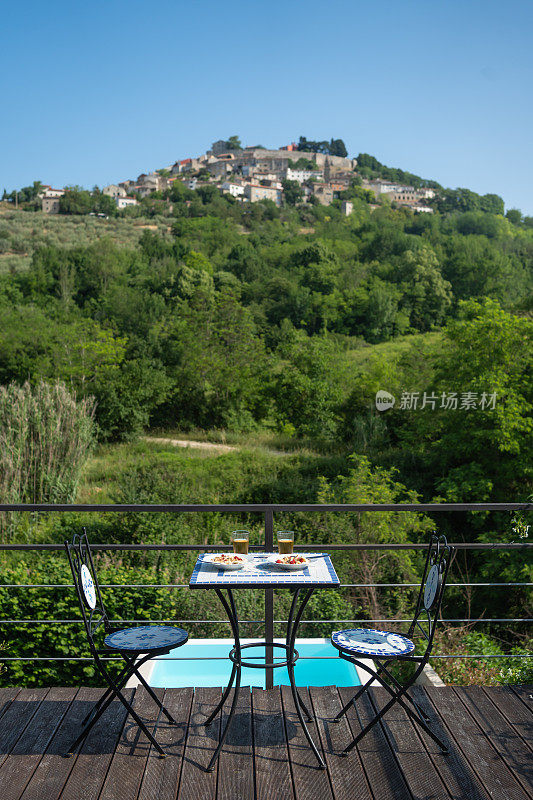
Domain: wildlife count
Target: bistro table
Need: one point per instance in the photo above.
(258, 572)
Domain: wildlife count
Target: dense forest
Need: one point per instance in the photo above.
(279, 325)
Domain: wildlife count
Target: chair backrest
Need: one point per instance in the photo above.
(439, 556)
(86, 584)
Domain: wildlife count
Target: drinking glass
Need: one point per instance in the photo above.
(240, 540)
(285, 542)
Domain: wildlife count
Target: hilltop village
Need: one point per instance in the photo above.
(252, 174)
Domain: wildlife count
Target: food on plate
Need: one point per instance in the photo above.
(292, 560)
(228, 558)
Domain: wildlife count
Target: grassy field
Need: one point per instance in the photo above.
(392, 350)
(146, 472)
(197, 475)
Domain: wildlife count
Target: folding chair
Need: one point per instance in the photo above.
(384, 646)
(131, 644)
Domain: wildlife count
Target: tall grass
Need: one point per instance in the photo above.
(46, 435)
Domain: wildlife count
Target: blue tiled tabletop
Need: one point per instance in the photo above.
(320, 572)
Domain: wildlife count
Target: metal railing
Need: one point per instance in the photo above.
(268, 511)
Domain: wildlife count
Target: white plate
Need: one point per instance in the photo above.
(209, 559)
(293, 567)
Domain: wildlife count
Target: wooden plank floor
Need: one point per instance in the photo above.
(266, 757)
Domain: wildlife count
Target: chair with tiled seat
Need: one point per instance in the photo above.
(385, 647)
(134, 645)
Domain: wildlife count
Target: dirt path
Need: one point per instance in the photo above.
(222, 448)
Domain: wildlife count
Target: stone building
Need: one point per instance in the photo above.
(186, 165)
(218, 147)
(253, 192)
(114, 190)
(219, 169)
(50, 205)
(323, 193)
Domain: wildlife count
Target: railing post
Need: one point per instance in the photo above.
(269, 602)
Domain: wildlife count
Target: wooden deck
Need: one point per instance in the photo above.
(490, 731)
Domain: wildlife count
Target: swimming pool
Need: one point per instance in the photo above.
(206, 671)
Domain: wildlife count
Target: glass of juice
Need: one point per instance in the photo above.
(285, 542)
(240, 540)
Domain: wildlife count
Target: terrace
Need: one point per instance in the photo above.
(489, 730)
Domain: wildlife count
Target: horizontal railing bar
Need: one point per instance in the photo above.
(224, 658)
(482, 655)
(252, 621)
(159, 658)
(259, 548)
(261, 507)
(186, 585)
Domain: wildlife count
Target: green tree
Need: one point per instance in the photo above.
(292, 192)
(27, 195)
(338, 148)
(335, 147)
(514, 215)
(482, 224)
(129, 397)
(485, 453)
(476, 267)
(465, 200)
(234, 143)
(244, 261)
(426, 295)
(216, 363)
(305, 391)
(304, 163)
(103, 204)
(373, 311)
(75, 201)
(492, 204)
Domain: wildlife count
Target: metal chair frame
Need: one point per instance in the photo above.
(79, 554)
(439, 554)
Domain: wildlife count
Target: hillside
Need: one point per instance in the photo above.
(271, 328)
(211, 313)
(198, 311)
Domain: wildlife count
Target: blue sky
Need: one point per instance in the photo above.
(99, 92)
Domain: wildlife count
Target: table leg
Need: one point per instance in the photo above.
(295, 696)
(231, 611)
(290, 622)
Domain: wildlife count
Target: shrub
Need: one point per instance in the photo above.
(488, 671)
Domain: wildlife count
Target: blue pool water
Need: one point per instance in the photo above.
(332, 671)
